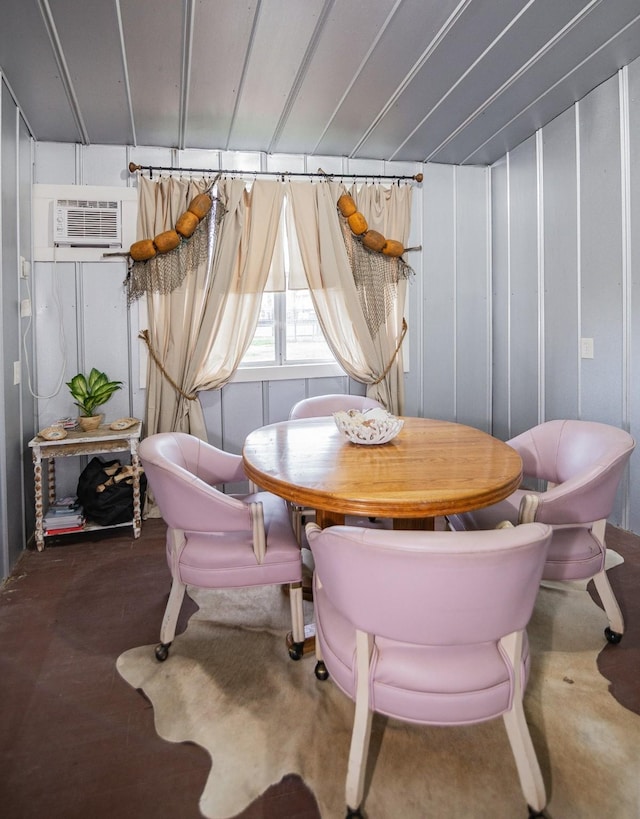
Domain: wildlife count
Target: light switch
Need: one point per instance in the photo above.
(586, 348)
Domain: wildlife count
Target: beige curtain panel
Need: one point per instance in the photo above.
(200, 331)
(369, 351)
(387, 210)
(173, 318)
(240, 269)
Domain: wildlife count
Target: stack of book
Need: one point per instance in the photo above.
(67, 423)
(63, 516)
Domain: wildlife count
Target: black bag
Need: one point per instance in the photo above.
(105, 491)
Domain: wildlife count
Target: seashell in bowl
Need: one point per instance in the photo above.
(373, 426)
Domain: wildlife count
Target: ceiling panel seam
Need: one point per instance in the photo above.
(125, 71)
(627, 263)
(627, 252)
(243, 75)
(65, 76)
(301, 73)
(185, 79)
(473, 65)
(541, 273)
(553, 87)
(557, 37)
(357, 73)
(426, 54)
(5, 81)
(578, 293)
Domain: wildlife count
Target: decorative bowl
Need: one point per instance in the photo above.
(373, 426)
(123, 423)
(53, 433)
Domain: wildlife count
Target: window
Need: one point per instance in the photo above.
(288, 332)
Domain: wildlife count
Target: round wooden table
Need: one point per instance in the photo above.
(431, 468)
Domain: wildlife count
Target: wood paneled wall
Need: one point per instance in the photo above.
(16, 404)
(566, 266)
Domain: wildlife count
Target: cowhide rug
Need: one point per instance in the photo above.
(229, 686)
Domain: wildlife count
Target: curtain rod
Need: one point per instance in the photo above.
(151, 168)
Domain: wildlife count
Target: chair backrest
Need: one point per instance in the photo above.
(432, 588)
(182, 472)
(587, 457)
(321, 405)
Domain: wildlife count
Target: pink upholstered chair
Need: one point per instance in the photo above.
(435, 632)
(321, 405)
(582, 463)
(215, 540)
(316, 407)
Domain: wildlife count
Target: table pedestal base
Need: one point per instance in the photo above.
(325, 518)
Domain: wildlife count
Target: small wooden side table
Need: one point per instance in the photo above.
(96, 442)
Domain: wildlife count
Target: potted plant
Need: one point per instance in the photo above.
(89, 393)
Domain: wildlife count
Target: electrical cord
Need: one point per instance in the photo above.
(61, 335)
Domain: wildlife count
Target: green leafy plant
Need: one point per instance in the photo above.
(91, 392)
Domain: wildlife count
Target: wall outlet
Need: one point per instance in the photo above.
(25, 308)
(17, 372)
(586, 348)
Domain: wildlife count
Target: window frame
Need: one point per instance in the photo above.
(285, 372)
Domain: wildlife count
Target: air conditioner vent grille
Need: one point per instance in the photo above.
(87, 223)
(88, 203)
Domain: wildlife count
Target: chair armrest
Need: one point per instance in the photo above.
(216, 467)
(564, 504)
(177, 542)
(257, 521)
(528, 509)
(583, 499)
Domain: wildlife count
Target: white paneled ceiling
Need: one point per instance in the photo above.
(456, 81)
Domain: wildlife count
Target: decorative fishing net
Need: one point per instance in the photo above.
(376, 277)
(166, 271)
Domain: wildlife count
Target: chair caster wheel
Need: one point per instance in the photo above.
(533, 813)
(162, 651)
(353, 813)
(296, 650)
(613, 637)
(321, 673)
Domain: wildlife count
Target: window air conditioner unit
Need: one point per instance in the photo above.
(87, 223)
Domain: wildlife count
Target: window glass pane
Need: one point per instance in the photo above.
(304, 338)
(262, 349)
